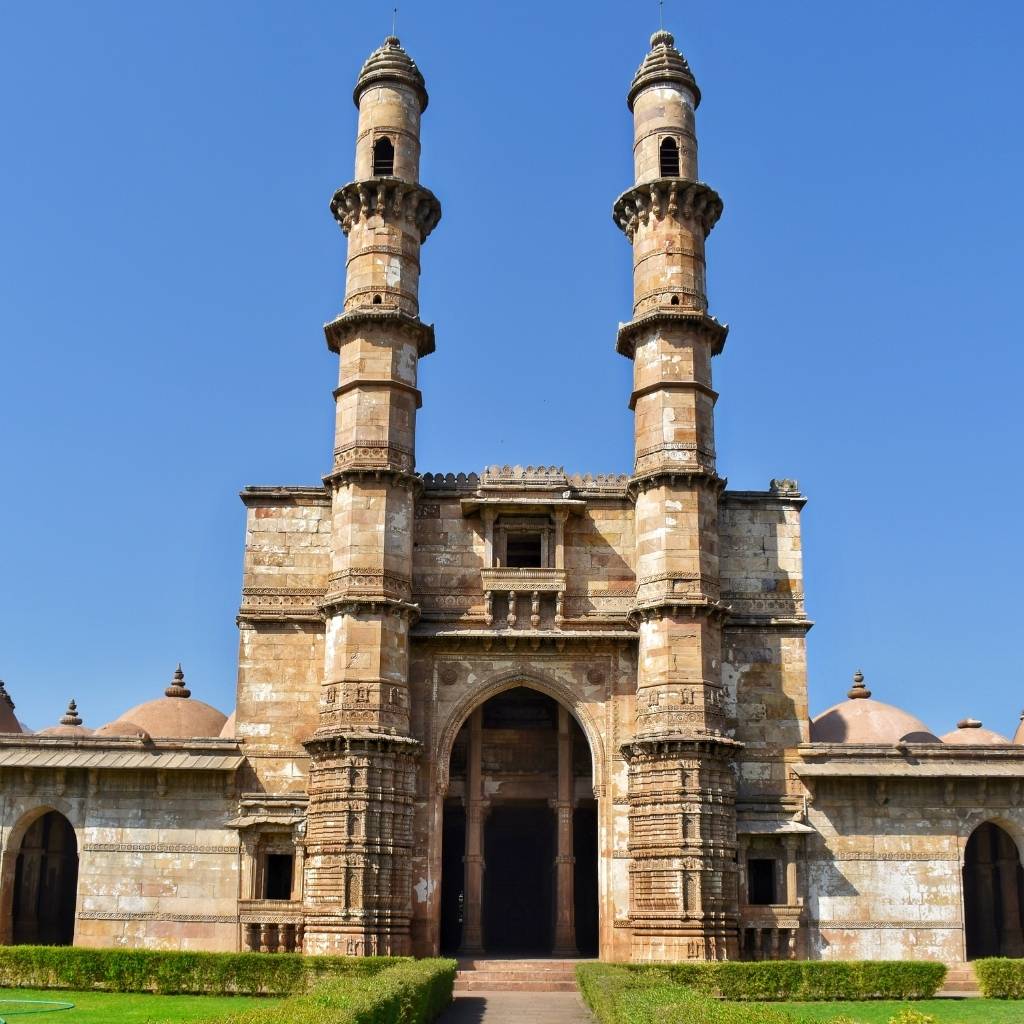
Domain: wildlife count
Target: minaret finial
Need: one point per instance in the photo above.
(661, 14)
(394, 22)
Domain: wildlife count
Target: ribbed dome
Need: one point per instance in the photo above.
(863, 720)
(663, 65)
(391, 63)
(8, 723)
(173, 716)
(971, 731)
(69, 725)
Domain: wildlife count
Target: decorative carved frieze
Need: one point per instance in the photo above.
(373, 455)
(153, 915)
(272, 604)
(160, 848)
(389, 199)
(682, 200)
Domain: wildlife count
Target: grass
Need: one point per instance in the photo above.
(122, 1008)
(945, 1011)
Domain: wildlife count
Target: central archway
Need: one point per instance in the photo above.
(519, 840)
(46, 883)
(993, 894)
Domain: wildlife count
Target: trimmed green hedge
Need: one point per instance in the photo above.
(410, 992)
(684, 993)
(1000, 978)
(805, 980)
(169, 972)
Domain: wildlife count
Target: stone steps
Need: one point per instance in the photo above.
(478, 975)
(960, 982)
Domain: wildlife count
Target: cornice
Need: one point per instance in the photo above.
(644, 482)
(342, 326)
(284, 494)
(699, 323)
(667, 197)
(379, 382)
(672, 385)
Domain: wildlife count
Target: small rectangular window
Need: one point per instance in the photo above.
(523, 551)
(277, 876)
(761, 882)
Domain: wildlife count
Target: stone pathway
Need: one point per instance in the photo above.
(516, 1008)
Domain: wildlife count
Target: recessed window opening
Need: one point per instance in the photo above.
(523, 551)
(277, 876)
(376, 300)
(384, 156)
(761, 882)
(669, 158)
(674, 301)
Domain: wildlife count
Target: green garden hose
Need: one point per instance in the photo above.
(31, 1006)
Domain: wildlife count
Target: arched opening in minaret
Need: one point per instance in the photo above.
(993, 891)
(383, 156)
(669, 158)
(46, 883)
(519, 843)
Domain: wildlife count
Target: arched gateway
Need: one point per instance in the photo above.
(993, 894)
(519, 853)
(46, 883)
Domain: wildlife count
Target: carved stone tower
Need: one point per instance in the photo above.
(363, 761)
(683, 902)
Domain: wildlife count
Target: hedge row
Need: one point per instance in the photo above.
(1000, 978)
(145, 970)
(410, 992)
(805, 980)
(685, 993)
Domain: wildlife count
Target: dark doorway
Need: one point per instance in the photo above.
(453, 846)
(278, 877)
(584, 827)
(46, 883)
(519, 846)
(993, 889)
(761, 881)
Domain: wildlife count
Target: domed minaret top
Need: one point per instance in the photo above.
(390, 63)
(664, 64)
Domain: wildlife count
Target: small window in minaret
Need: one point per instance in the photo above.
(277, 876)
(384, 157)
(669, 158)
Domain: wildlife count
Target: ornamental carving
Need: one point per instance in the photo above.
(392, 200)
(682, 200)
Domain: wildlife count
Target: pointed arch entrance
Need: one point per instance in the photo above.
(45, 883)
(993, 894)
(519, 871)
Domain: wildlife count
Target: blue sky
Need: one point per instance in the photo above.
(167, 259)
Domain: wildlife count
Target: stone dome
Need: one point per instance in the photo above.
(122, 728)
(390, 63)
(8, 723)
(971, 731)
(69, 725)
(663, 65)
(173, 716)
(863, 720)
(1018, 736)
(228, 732)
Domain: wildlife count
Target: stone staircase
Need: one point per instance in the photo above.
(516, 976)
(960, 982)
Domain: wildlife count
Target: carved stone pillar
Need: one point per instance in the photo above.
(565, 860)
(476, 810)
(792, 895)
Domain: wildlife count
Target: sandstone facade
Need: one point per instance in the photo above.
(519, 710)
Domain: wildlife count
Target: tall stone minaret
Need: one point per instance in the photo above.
(358, 889)
(683, 900)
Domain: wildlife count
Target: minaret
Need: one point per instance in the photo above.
(362, 780)
(683, 900)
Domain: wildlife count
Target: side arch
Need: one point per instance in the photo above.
(548, 685)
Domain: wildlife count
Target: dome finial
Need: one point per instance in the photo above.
(664, 65)
(968, 723)
(858, 691)
(71, 716)
(178, 687)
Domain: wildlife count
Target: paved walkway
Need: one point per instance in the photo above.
(516, 1008)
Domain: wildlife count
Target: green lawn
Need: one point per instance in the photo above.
(120, 1008)
(945, 1011)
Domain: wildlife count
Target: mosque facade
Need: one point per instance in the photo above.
(521, 710)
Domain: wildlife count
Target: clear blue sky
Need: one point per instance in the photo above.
(167, 259)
